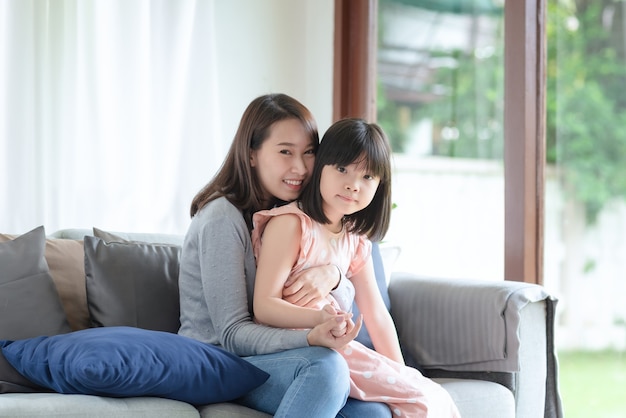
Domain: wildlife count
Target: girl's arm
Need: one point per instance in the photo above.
(376, 317)
(277, 256)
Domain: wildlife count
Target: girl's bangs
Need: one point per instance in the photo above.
(375, 159)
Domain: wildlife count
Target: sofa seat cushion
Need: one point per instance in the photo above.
(128, 362)
(480, 399)
(230, 410)
(45, 405)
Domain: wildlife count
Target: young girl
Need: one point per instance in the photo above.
(346, 203)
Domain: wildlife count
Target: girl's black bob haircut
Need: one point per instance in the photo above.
(346, 142)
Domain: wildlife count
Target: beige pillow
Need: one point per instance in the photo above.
(66, 262)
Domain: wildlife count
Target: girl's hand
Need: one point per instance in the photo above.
(309, 287)
(328, 312)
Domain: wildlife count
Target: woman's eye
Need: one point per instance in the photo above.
(285, 151)
(310, 151)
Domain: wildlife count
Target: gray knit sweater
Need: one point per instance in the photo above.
(216, 282)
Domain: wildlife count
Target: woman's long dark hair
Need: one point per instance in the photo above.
(236, 180)
(346, 142)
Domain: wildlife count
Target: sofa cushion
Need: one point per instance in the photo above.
(381, 280)
(47, 405)
(477, 398)
(127, 362)
(29, 302)
(133, 284)
(66, 261)
(145, 237)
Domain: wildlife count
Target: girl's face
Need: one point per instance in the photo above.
(346, 189)
(285, 160)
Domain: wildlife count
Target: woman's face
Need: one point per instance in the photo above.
(285, 160)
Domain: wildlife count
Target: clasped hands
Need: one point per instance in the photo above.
(336, 330)
(309, 288)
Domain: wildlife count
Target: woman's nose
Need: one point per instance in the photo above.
(299, 166)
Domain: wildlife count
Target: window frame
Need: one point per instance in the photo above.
(354, 95)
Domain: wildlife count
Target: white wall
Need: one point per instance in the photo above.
(116, 112)
(274, 46)
(269, 46)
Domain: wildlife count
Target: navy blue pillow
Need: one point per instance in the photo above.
(379, 270)
(127, 362)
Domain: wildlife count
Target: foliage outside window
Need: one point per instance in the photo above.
(587, 76)
(589, 84)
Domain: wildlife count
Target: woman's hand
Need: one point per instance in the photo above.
(322, 335)
(328, 312)
(309, 287)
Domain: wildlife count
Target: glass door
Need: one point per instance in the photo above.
(585, 209)
(440, 100)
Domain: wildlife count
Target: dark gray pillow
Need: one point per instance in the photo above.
(107, 236)
(29, 302)
(132, 284)
(11, 381)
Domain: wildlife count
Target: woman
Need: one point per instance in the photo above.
(268, 163)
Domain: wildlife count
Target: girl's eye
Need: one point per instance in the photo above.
(368, 177)
(341, 169)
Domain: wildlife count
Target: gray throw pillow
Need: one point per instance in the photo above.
(132, 284)
(29, 302)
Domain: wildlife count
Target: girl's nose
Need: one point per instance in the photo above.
(352, 186)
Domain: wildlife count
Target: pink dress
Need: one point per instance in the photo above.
(373, 376)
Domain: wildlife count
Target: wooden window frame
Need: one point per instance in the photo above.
(354, 95)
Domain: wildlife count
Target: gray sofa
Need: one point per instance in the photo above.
(490, 344)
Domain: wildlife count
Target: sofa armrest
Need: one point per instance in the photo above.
(481, 329)
(463, 325)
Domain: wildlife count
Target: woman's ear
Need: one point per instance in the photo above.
(253, 158)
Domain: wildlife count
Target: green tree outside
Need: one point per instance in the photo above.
(586, 100)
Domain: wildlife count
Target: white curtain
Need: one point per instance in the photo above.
(108, 113)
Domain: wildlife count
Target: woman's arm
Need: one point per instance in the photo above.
(278, 254)
(376, 317)
(216, 283)
(310, 286)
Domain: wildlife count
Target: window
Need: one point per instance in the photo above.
(441, 101)
(521, 129)
(585, 234)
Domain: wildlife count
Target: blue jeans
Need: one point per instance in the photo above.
(355, 408)
(305, 382)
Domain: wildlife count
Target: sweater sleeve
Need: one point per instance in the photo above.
(225, 274)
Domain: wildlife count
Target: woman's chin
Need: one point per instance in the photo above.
(288, 196)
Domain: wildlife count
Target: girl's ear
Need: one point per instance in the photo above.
(253, 158)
